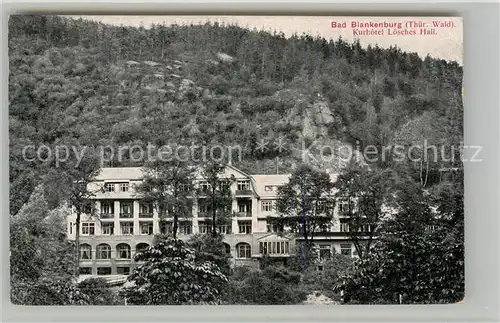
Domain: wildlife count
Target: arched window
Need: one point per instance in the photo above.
(243, 250)
(85, 252)
(227, 248)
(141, 247)
(123, 251)
(103, 251)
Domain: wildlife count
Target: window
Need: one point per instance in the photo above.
(71, 228)
(123, 251)
(85, 252)
(124, 187)
(224, 229)
(109, 187)
(273, 227)
(321, 206)
(344, 206)
(107, 207)
(122, 270)
(267, 206)
(88, 228)
(365, 227)
(146, 210)
(274, 247)
(203, 206)
(141, 247)
(166, 227)
(126, 209)
(127, 227)
(243, 185)
(204, 186)
(224, 185)
(243, 250)
(146, 227)
(268, 188)
(227, 249)
(325, 251)
(203, 227)
(185, 228)
(85, 271)
(344, 225)
(103, 251)
(326, 227)
(243, 208)
(345, 249)
(245, 227)
(108, 228)
(104, 270)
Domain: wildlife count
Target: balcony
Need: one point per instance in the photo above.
(146, 215)
(247, 192)
(107, 215)
(243, 214)
(126, 215)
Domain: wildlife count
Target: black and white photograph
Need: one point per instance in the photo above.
(236, 160)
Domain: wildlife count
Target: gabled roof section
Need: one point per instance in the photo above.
(261, 181)
(274, 237)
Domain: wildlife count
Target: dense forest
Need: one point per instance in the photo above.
(85, 83)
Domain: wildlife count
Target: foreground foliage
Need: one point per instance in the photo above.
(274, 285)
(170, 275)
(419, 257)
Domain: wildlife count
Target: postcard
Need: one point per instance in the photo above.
(236, 160)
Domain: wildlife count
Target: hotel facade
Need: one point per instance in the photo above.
(123, 225)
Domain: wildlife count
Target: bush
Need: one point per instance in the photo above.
(99, 292)
(326, 279)
(208, 248)
(170, 275)
(271, 286)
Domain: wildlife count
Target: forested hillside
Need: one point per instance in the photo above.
(89, 84)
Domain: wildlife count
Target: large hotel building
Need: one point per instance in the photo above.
(123, 225)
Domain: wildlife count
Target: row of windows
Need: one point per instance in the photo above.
(123, 251)
(146, 228)
(124, 270)
(242, 185)
(243, 250)
(127, 207)
(274, 247)
(126, 228)
(110, 187)
(346, 226)
(207, 228)
(326, 250)
(103, 251)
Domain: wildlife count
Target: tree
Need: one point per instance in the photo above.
(407, 268)
(419, 257)
(328, 278)
(217, 193)
(81, 176)
(305, 203)
(41, 259)
(168, 184)
(363, 195)
(170, 275)
(212, 249)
